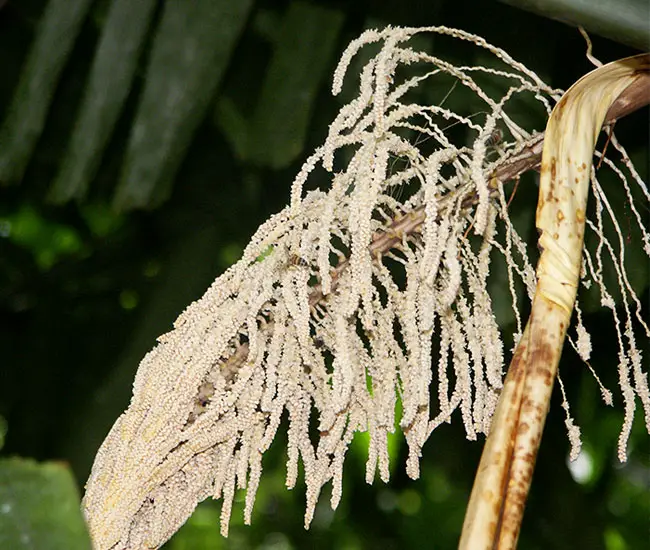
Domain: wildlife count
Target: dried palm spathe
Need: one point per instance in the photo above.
(337, 305)
(501, 486)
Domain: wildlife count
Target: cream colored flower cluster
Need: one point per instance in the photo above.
(361, 307)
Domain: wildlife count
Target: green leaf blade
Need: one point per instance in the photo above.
(191, 51)
(624, 21)
(299, 65)
(25, 119)
(110, 81)
(39, 507)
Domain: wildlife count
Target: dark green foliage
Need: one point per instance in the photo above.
(303, 55)
(190, 52)
(49, 53)
(624, 20)
(116, 60)
(304, 46)
(39, 507)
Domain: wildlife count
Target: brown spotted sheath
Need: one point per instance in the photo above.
(503, 479)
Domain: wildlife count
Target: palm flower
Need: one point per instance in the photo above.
(363, 306)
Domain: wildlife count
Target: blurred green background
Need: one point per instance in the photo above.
(142, 144)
